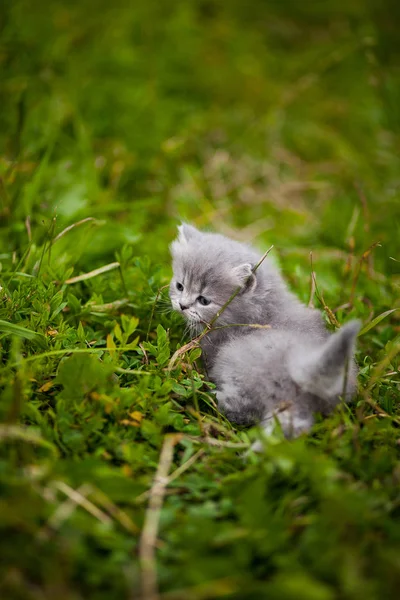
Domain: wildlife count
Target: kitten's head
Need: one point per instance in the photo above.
(207, 269)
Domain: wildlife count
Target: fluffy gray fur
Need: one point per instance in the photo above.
(287, 372)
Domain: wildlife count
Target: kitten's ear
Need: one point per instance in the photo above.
(187, 232)
(245, 277)
(326, 370)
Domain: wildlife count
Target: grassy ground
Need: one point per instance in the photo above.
(277, 122)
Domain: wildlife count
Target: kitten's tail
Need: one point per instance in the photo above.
(328, 372)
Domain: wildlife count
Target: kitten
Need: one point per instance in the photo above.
(286, 372)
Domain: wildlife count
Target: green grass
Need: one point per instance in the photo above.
(278, 122)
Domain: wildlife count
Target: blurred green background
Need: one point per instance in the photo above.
(155, 111)
(275, 122)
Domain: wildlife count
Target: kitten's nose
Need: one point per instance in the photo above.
(183, 307)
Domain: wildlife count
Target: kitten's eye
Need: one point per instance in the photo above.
(179, 287)
(203, 301)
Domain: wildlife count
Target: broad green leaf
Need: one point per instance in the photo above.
(82, 373)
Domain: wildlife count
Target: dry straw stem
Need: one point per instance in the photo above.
(219, 443)
(80, 499)
(314, 289)
(177, 473)
(148, 538)
(67, 508)
(114, 511)
(108, 307)
(379, 411)
(67, 229)
(209, 326)
(94, 273)
(364, 258)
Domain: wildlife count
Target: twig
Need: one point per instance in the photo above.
(66, 508)
(380, 412)
(214, 442)
(194, 343)
(264, 256)
(80, 499)
(146, 358)
(189, 346)
(148, 538)
(177, 473)
(119, 515)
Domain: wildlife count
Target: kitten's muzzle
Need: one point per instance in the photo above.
(183, 307)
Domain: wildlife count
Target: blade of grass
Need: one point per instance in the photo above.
(23, 332)
(376, 321)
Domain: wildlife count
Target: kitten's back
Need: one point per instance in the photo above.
(284, 373)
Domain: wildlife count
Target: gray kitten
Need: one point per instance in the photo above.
(286, 372)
